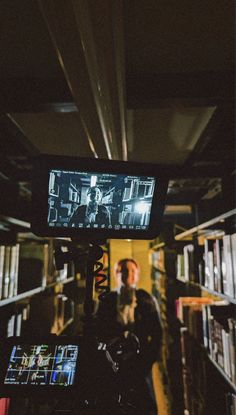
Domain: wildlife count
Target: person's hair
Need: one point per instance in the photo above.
(94, 188)
(36, 357)
(122, 264)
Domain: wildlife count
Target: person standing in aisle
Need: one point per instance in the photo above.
(132, 310)
(94, 212)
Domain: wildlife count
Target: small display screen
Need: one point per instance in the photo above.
(42, 365)
(99, 200)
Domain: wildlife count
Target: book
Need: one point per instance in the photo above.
(126, 195)
(229, 287)
(189, 262)
(2, 256)
(11, 325)
(182, 302)
(14, 260)
(6, 272)
(217, 249)
(180, 266)
(232, 345)
(219, 334)
(209, 263)
(233, 253)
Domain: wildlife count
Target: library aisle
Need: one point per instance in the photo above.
(192, 279)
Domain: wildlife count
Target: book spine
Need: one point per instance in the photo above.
(229, 267)
(15, 289)
(217, 265)
(6, 272)
(206, 268)
(233, 254)
(205, 327)
(2, 257)
(232, 347)
(12, 274)
(11, 326)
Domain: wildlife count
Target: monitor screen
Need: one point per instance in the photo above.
(96, 200)
(42, 364)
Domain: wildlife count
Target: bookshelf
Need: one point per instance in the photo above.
(162, 261)
(205, 225)
(66, 325)
(206, 267)
(21, 296)
(27, 271)
(217, 294)
(35, 291)
(228, 380)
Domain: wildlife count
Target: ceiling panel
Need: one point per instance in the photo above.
(166, 136)
(54, 133)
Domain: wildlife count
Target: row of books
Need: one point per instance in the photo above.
(212, 265)
(198, 375)
(157, 259)
(211, 322)
(27, 266)
(44, 314)
(193, 370)
(138, 189)
(220, 337)
(13, 322)
(220, 265)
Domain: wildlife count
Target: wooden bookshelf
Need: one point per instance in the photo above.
(222, 372)
(66, 325)
(191, 379)
(200, 269)
(162, 288)
(212, 292)
(22, 296)
(217, 294)
(182, 279)
(14, 222)
(205, 225)
(62, 282)
(23, 237)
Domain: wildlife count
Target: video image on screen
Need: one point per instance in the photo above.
(99, 200)
(42, 365)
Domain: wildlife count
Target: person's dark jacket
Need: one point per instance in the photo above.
(147, 326)
(102, 216)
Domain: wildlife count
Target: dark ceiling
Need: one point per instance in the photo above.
(149, 81)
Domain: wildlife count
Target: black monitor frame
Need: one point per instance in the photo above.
(44, 163)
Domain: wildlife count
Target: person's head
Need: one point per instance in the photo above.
(127, 272)
(94, 195)
(38, 359)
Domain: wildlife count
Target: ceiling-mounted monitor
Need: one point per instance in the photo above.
(94, 198)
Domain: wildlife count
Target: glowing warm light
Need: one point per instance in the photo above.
(141, 207)
(93, 181)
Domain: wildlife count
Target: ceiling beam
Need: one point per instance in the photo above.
(60, 20)
(87, 54)
(117, 21)
(95, 25)
(186, 89)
